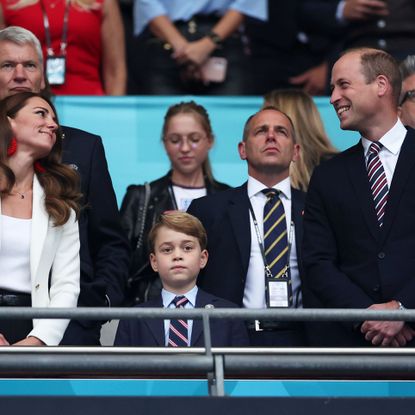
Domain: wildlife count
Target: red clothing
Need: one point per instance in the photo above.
(84, 50)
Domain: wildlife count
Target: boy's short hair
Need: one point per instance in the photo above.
(180, 222)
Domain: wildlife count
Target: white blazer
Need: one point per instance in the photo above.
(55, 249)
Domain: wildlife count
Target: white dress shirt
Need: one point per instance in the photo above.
(254, 294)
(392, 142)
(168, 298)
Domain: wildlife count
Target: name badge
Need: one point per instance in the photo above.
(277, 293)
(56, 69)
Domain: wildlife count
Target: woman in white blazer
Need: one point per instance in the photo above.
(39, 237)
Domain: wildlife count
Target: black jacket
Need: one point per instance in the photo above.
(144, 283)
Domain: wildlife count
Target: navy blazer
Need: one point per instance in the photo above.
(350, 261)
(104, 249)
(225, 216)
(150, 332)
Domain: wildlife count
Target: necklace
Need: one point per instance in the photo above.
(22, 195)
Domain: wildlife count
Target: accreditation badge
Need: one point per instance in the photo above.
(56, 69)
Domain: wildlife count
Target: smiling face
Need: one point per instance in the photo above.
(34, 127)
(178, 258)
(353, 98)
(186, 142)
(269, 147)
(20, 69)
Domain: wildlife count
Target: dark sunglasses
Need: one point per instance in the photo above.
(408, 95)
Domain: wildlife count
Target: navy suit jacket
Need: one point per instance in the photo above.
(350, 261)
(150, 332)
(225, 215)
(104, 249)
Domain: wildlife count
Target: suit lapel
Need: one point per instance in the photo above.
(156, 326)
(239, 218)
(404, 166)
(360, 183)
(40, 224)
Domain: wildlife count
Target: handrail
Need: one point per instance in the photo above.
(214, 363)
(308, 314)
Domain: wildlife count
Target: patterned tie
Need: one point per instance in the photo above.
(275, 233)
(377, 180)
(178, 333)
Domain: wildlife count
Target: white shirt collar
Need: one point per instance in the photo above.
(255, 187)
(392, 140)
(168, 296)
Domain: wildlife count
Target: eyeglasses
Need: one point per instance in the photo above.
(408, 95)
(192, 139)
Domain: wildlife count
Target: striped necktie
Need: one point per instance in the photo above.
(178, 329)
(276, 239)
(377, 181)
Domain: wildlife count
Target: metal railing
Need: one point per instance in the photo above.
(214, 363)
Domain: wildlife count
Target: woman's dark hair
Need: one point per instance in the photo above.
(60, 182)
(202, 115)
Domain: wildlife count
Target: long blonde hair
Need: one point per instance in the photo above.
(314, 142)
(82, 4)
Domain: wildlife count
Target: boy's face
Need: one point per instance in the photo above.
(178, 259)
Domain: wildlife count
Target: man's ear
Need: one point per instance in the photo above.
(241, 150)
(383, 84)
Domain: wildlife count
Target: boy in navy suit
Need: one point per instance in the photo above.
(178, 252)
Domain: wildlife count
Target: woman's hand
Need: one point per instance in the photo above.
(196, 52)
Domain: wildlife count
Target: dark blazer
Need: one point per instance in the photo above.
(150, 332)
(225, 216)
(104, 248)
(350, 262)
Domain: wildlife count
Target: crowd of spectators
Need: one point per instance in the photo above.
(308, 227)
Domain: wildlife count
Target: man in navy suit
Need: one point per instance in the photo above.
(359, 221)
(236, 268)
(178, 253)
(104, 248)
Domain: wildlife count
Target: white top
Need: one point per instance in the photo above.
(15, 254)
(254, 294)
(168, 298)
(185, 195)
(392, 142)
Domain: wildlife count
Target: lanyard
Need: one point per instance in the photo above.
(64, 43)
(268, 272)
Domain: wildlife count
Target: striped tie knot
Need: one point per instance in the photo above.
(270, 193)
(180, 301)
(375, 147)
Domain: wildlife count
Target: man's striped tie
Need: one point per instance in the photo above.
(178, 329)
(275, 237)
(377, 181)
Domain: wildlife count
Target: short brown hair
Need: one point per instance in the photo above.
(247, 125)
(377, 62)
(179, 222)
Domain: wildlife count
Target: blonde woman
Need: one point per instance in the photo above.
(82, 42)
(315, 146)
